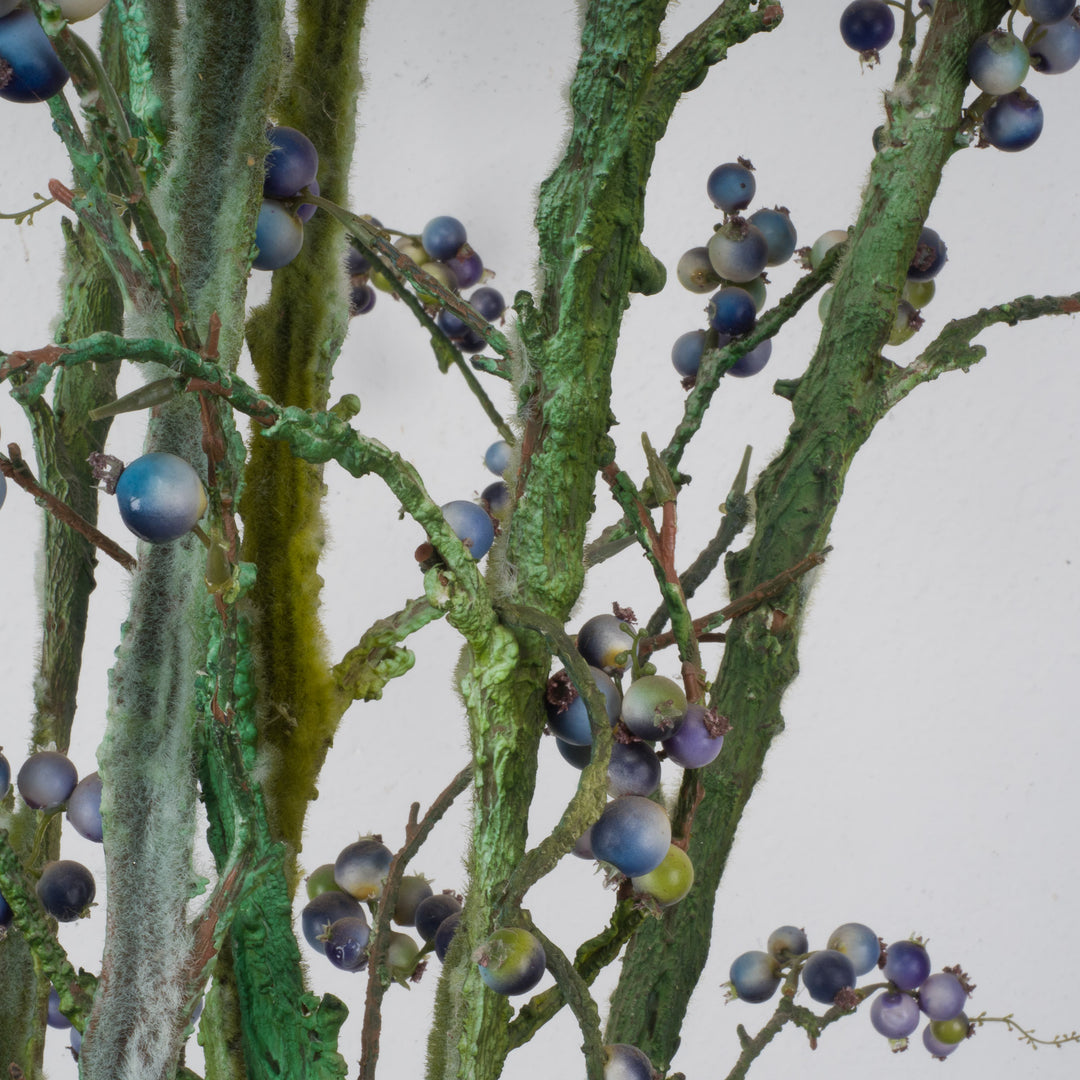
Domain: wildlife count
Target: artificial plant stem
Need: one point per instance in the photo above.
(836, 405)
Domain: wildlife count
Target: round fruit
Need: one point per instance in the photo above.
(738, 251)
(780, 236)
(488, 302)
(907, 965)
(731, 187)
(633, 834)
(867, 25)
(360, 869)
(66, 889)
(511, 961)
(654, 707)
(1014, 122)
(445, 935)
(906, 322)
(46, 779)
(471, 524)
(930, 256)
(1049, 11)
(826, 973)
(324, 909)
(752, 362)
(495, 498)
(695, 272)
(633, 769)
(442, 237)
(361, 299)
(787, 941)
(30, 70)
(754, 976)
(732, 311)
(356, 262)
(497, 457)
(919, 293)
(431, 912)
(951, 1031)
(412, 891)
(858, 943)
(998, 62)
(160, 497)
(824, 244)
(53, 1016)
(1055, 48)
(570, 722)
(467, 268)
(321, 880)
(279, 236)
(346, 943)
(894, 1015)
(670, 881)
(694, 745)
(942, 996)
(5, 768)
(291, 163)
(401, 954)
(306, 211)
(687, 351)
(935, 1045)
(625, 1062)
(84, 807)
(604, 643)
(6, 914)
(577, 756)
(77, 10)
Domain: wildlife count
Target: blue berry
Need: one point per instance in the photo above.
(566, 713)
(1014, 121)
(687, 351)
(732, 311)
(160, 497)
(46, 779)
(467, 268)
(66, 889)
(731, 187)
(324, 909)
(738, 251)
(346, 943)
(361, 299)
(488, 302)
(1055, 48)
(497, 457)
(752, 362)
(356, 262)
(576, 756)
(907, 965)
(1049, 11)
(442, 237)
(858, 943)
(604, 643)
(942, 996)
(512, 961)
(291, 164)
(633, 834)
(696, 743)
(867, 25)
(6, 914)
(445, 934)
(894, 1015)
(998, 62)
(633, 769)
(780, 236)
(471, 524)
(84, 808)
(625, 1062)
(53, 1016)
(826, 973)
(32, 70)
(787, 941)
(5, 768)
(306, 211)
(930, 256)
(654, 707)
(495, 498)
(754, 976)
(279, 236)
(360, 868)
(431, 912)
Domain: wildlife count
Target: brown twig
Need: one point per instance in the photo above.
(16, 469)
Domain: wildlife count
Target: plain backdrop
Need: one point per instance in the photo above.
(926, 779)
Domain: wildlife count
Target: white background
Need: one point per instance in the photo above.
(926, 779)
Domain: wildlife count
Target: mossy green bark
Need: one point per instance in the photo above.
(836, 405)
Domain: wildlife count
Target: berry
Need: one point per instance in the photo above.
(360, 869)
(935, 1045)
(695, 272)
(471, 524)
(654, 707)
(731, 187)
(694, 745)
(84, 807)
(401, 954)
(738, 251)
(5, 768)
(906, 322)
(633, 769)
(346, 943)
(291, 163)
(754, 976)
(604, 643)
(361, 299)
(858, 943)
(321, 880)
(6, 914)
(780, 236)
(1014, 122)
(894, 1015)
(687, 351)
(732, 311)
(919, 293)
(907, 965)
(442, 237)
(324, 909)
(998, 62)
(930, 256)
(279, 236)
(467, 268)
(951, 1031)
(570, 721)
(574, 755)
(495, 498)
(1055, 48)
(46, 779)
(53, 1016)
(431, 912)
(787, 941)
(942, 996)
(306, 211)
(488, 302)
(511, 961)
(633, 834)
(30, 70)
(414, 889)
(752, 362)
(160, 497)
(497, 457)
(625, 1062)
(1049, 11)
(824, 244)
(445, 934)
(670, 881)
(356, 262)
(867, 25)
(66, 889)
(826, 973)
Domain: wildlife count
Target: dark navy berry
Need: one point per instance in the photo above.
(361, 299)
(431, 912)
(467, 268)
(66, 889)
(687, 351)
(1049, 11)
(1014, 122)
(445, 934)
(566, 712)
(324, 909)
(279, 236)
(732, 311)
(497, 457)
(907, 965)
(291, 164)
(731, 187)
(488, 302)
(779, 233)
(752, 362)
(1055, 48)
(633, 769)
(346, 943)
(5, 768)
(867, 25)
(826, 973)
(31, 70)
(495, 498)
(930, 256)
(6, 914)
(53, 1016)
(442, 237)
(625, 1062)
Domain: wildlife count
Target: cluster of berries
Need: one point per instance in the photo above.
(735, 259)
(48, 781)
(998, 62)
(829, 976)
(633, 834)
